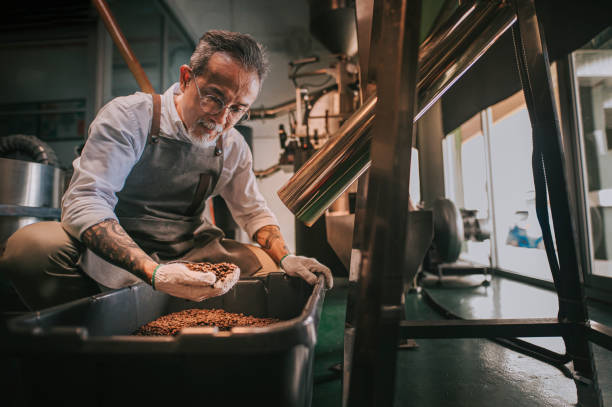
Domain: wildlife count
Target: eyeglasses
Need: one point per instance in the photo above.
(213, 105)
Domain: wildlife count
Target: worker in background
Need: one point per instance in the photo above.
(139, 188)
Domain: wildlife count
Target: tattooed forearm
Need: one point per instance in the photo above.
(267, 235)
(111, 242)
(271, 241)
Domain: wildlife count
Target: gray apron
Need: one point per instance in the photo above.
(161, 203)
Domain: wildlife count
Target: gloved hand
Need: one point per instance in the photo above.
(305, 267)
(178, 280)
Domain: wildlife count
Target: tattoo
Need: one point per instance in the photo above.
(112, 243)
(267, 236)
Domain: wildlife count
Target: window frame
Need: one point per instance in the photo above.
(596, 286)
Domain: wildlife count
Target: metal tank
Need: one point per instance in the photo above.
(29, 193)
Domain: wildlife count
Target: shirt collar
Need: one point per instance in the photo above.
(174, 122)
(168, 97)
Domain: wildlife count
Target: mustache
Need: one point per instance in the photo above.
(209, 124)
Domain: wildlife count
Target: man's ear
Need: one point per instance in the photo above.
(185, 77)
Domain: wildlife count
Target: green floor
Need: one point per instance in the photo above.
(465, 372)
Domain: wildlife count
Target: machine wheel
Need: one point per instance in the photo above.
(448, 230)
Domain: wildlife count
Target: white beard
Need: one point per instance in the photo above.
(198, 137)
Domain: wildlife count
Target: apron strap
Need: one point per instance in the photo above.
(154, 133)
(219, 145)
(200, 194)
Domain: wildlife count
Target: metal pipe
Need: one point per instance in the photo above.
(317, 72)
(123, 46)
(443, 58)
(328, 173)
(272, 112)
(471, 32)
(268, 171)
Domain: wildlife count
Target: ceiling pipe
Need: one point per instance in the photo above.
(123, 46)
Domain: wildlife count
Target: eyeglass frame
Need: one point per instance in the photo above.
(219, 102)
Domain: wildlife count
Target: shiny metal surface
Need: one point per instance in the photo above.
(369, 21)
(443, 57)
(450, 51)
(30, 184)
(27, 184)
(445, 12)
(328, 173)
(387, 224)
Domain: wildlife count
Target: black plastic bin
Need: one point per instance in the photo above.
(83, 353)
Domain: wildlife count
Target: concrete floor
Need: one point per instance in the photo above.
(466, 372)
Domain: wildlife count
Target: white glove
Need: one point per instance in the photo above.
(305, 267)
(178, 280)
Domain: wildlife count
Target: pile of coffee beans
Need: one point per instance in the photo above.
(221, 270)
(171, 324)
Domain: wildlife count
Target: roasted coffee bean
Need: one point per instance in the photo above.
(221, 270)
(171, 324)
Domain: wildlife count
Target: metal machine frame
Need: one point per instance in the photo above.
(391, 234)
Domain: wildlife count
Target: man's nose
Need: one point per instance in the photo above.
(223, 116)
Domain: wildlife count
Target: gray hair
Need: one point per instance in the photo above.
(242, 47)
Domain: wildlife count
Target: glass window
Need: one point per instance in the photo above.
(415, 184)
(519, 247)
(593, 78)
(488, 171)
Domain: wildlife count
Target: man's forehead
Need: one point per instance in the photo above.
(223, 58)
(222, 66)
(224, 72)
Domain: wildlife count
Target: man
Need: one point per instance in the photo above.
(136, 198)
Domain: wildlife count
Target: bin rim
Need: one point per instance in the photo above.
(300, 330)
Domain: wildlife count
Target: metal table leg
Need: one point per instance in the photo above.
(380, 281)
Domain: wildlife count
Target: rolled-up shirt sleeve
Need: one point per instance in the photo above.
(241, 193)
(114, 144)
